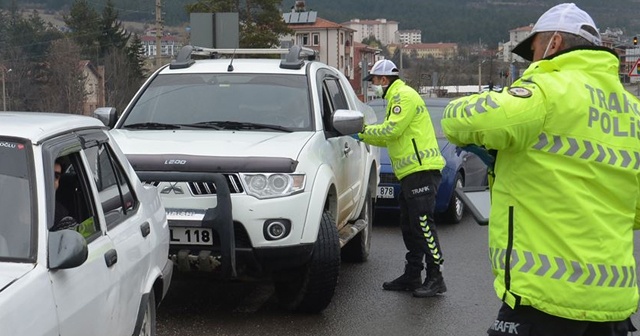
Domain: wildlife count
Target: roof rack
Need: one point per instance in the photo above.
(294, 59)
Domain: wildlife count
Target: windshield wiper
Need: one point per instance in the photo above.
(152, 125)
(237, 125)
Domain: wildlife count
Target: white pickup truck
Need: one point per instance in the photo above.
(301, 189)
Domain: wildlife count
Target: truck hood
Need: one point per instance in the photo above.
(212, 143)
(11, 272)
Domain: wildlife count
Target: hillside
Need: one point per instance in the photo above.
(463, 21)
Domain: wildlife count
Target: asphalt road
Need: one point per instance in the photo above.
(360, 306)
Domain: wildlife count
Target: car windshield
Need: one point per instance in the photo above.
(435, 106)
(223, 101)
(15, 200)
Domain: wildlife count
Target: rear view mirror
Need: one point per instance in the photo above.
(107, 115)
(67, 249)
(348, 121)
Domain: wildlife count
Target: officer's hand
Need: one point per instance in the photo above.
(355, 136)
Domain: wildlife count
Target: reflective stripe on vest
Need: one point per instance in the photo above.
(587, 150)
(557, 268)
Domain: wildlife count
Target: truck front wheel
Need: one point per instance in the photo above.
(310, 288)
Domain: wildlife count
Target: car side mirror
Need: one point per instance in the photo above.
(348, 122)
(107, 115)
(67, 249)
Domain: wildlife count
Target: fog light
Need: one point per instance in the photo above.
(275, 229)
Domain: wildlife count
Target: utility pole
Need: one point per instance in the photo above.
(158, 32)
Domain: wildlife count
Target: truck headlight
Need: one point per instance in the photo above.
(273, 185)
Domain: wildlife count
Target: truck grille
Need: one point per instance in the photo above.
(208, 188)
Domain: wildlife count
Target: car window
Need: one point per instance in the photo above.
(16, 186)
(114, 189)
(73, 198)
(186, 99)
(336, 95)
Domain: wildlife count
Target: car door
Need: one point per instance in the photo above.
(125, 224)
(87, 297)
(345, 150)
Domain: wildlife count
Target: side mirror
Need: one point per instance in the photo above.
(348, 121)
(67, 249)
(107, 115)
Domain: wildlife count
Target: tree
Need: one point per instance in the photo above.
(112, 32)
(84, 23)
(108, 43)
(261, 22)
(120, 84)
(372, 41)
(64, 90)
(25, 43)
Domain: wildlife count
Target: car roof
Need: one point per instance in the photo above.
(244, 65)
(37, 126)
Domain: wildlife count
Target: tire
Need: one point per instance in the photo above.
(310, 288)
(148, 327)
(358, 248)
(455, 209)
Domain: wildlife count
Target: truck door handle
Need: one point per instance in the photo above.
(145, 228)
(111, 257)
(347, 149)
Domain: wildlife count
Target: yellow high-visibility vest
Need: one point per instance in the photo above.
(565, 198)
(407, 132)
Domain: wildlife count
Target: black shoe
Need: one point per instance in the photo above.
(431, 287)
(408, 281)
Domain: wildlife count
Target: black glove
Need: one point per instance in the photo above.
(482, 153)
(67, 222)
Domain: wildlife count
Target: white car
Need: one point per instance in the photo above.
(103, 268)
(278, 133)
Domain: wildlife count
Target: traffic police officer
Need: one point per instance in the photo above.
(410, 139)
(566, 196)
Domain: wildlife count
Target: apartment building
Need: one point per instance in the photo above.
(426, 50)
(382, 29)
(516, 36)
(412, 36)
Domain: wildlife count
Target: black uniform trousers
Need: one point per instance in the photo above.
(417, 204)
(528, 321)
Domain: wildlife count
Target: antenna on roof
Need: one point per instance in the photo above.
(230, 67)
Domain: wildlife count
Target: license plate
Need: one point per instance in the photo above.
(385, 192)
(191, 236)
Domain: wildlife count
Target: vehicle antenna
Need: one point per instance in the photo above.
(230, 67)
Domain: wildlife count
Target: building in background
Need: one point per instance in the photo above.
(170, 44)
(365, 57)
(333, 41)
(412, 36)
(426, 50)
(381, 29)
(93, 86)
(516, 36)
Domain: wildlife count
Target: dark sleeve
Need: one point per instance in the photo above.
(61, 212)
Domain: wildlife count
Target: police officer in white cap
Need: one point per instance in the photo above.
(408, 134)
(566, 198)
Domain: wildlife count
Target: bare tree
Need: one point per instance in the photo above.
(64, 89)
(120, 85)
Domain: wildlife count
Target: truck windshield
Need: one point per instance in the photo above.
(184, 100)
(16, 224)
